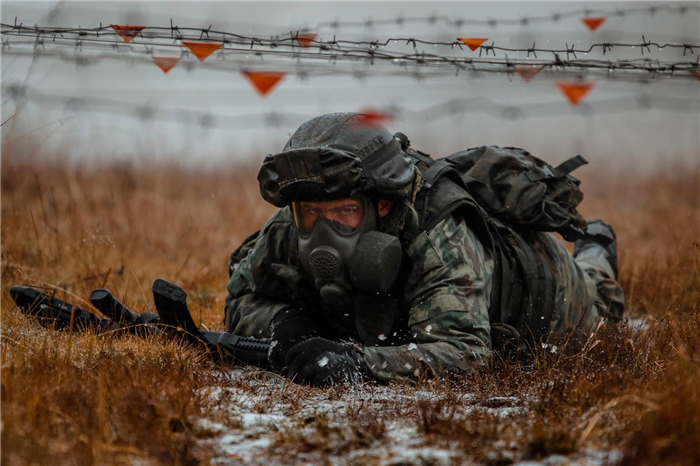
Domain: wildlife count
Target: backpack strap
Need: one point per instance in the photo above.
(418, 156)
(560, 171)
(442, 193)
(570, 165)
(437, 202)
(436, 170)
(506, 303)
(540, 289)
(442, 167)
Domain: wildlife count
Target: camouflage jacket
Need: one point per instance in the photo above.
(445, 302)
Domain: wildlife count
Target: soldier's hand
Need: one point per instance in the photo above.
(323, 362)
(288, 328)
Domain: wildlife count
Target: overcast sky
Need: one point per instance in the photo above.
(70, 121)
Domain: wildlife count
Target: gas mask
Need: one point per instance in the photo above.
(341, 249)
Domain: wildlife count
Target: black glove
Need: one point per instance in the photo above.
(289, 327)
(323, 362)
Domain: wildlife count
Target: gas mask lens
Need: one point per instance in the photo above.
(344, 214)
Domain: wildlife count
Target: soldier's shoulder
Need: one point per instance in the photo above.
(453, 230)
(274, 238)
(268, 243)
(451, 240)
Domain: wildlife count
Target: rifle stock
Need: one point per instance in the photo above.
(48, 308)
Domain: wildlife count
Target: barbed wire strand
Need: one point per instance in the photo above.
(451, 108)
(617, 69)
(435, 20)
(296, 39)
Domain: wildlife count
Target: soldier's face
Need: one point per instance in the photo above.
(348, 212)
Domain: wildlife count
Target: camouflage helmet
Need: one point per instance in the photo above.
(334, 156)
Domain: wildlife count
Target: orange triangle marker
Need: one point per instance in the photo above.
(264, 81)
(202, 49)
(472, 43)
(306, 38)
(372, 117)
(593, 23)
(166, 63)
(127, 32)
(528, 72)
(575, 91)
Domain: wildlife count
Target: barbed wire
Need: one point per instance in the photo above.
(589, 108)
(306, 63)
(448, 109)
(297, 39)
(435, 20)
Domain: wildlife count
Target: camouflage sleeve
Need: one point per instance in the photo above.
(449, 294)
(258, 287)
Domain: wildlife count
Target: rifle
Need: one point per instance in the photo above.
(171, 304)
(57, 312)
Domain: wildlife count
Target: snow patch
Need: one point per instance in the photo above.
(239, 448)
(260, 415)
(256, 419)
(640, 324)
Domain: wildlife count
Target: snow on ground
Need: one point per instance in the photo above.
(640, 324)
(257, 431)
(264, 422)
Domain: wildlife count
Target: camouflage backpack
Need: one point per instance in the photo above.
(516, 187)
(507, 194)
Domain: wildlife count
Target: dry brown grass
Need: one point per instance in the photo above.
(89, 399)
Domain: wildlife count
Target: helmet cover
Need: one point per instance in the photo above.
(335, 156)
